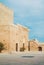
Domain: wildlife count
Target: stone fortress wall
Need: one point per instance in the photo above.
(15, 37)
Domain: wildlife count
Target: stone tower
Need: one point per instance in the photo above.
(6, 15)
(6, 19)
(14, 37)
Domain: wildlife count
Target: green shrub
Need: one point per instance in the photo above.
(1, 47)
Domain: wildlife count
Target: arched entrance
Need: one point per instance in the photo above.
(40, 48)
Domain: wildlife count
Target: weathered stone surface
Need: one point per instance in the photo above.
(11, 34)
(15, 37)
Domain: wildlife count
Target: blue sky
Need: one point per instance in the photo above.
(29, 13)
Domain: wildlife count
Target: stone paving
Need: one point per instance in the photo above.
(30, 58)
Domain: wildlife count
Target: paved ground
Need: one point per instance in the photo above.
(29, 58)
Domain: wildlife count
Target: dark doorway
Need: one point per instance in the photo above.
(16, 46)
(28, 46)
(40, 48)
(22, 48)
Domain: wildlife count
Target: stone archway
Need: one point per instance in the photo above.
(39, 48)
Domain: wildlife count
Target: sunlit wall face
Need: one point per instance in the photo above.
(29, 13)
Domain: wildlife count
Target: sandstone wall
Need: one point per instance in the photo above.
(11, 34)
(33, 46)
(23, 37)
(5, 36)
(6, 15)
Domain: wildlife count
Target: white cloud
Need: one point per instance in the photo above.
(33, 6)
(28, 3)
